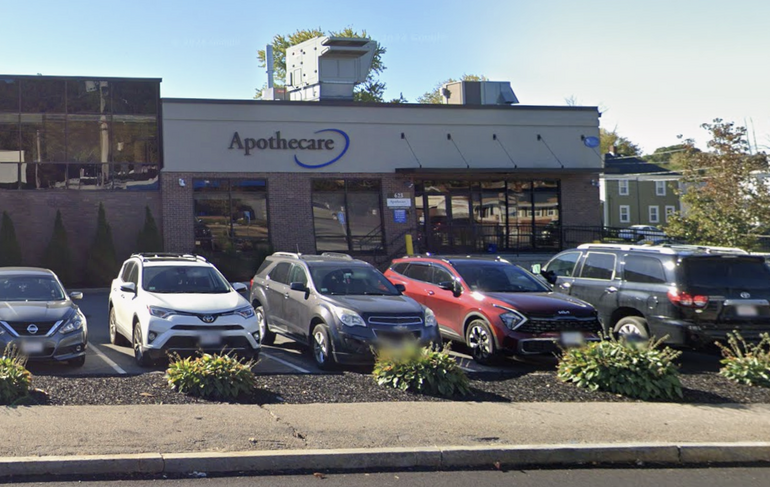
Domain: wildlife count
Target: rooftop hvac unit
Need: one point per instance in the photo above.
(327, 68)
(478, 93)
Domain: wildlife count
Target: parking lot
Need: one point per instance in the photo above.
(103, 358)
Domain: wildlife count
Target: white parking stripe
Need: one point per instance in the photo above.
(286, 363)
(112, 364)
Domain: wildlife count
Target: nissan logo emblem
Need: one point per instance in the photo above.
(745, 295)
(32, 329)
(208, 319)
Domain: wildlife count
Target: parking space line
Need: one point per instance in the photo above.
(286, 363)
(109, 361)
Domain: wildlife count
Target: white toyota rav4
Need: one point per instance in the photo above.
(164, 302)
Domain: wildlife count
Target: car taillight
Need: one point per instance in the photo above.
(251, 283)
(681, 298)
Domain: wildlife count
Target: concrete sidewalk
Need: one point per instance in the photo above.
(231, 438)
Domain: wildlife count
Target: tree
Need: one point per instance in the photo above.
(58, 256)
(149, 239)
(611, 141)
(435, 97)
(726, 193)
(372, 90)
(10, 251)
(102, 264)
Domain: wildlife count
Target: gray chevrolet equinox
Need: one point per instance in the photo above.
(338, 306)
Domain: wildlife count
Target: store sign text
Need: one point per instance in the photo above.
(248, 145)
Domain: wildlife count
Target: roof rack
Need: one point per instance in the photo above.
(666, 248)
(289, 255)
(337, 255)
(145, 256)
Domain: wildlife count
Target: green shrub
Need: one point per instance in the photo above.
(420, 369)
(220, 376)
(635, 369)
(746, 363)
(58, 256)
(149, 239)
(10, 251)
(102, 265)
(14, 377)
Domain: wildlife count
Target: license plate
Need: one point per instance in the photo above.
(572, 338)
(31, 347)
(746, 310)
(210, 339)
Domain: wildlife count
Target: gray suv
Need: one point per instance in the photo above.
(338, 306)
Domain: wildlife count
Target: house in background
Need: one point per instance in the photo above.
(635, 192)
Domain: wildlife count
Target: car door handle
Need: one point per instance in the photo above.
(565, 285)
(431, 293)
(611, 289)
(286, 295)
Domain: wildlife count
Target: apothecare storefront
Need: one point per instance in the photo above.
(357, 178)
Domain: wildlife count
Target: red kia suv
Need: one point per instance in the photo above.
(493, 306)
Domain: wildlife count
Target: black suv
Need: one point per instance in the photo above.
(692, 295)
(338, 306)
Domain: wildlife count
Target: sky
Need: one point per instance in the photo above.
(656, 69)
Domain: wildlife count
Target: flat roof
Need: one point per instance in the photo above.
(80, 78)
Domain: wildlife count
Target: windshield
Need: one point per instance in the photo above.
(498, 277)
(726, 274)
(30, 288)
(358, 280)
(184, 279)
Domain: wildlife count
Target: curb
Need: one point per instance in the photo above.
(433, 458)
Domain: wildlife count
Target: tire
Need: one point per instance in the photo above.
(321, 347)
(115, 337)
(142, 359)
(266, 336)
(77, 362)
(481, 342)
(632, 328)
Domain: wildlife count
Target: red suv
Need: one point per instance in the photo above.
(493, 306)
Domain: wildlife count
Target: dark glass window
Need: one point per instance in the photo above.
(643, 269)
(298, 275)
(42, 96)
(9, 137)
(135, 139)
(598, 266)
(43, 138)
(135, 97)
(564, 265)
(441, 275)
(400, 267)
(126, 271)
(419, 272)
(280, 273)
(89, 96)
(347, 215)
(88, 138)
(9, 95)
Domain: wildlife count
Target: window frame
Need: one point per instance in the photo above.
(668, 213)
(660, 188)
(623, 187)
(650, 212)
(585, 262)
(627, 218)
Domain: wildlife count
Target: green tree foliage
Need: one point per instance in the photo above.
(102, 264)
(149, 239)
(612, 141)
(725, 190)
(10, 251)
(58, 256)
(666, 155)
(434, 96)
(372, 90)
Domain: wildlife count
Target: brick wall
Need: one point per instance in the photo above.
(580, 205)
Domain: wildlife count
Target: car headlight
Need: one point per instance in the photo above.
(159, 312)
(430, 317)
(513, 319)
(245, 312)
(75, 323)
(348, 317)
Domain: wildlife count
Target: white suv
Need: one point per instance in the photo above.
(165, 302)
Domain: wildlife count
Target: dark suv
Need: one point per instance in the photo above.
(691, 295)
(338, 306)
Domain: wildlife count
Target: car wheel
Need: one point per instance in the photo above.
(142, 359)
(267, 337)
(77, 362)
(632, 328)
(481, 342)
(322, 348)
(115, 337)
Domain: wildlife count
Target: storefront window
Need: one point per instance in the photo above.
(230, 214)
(9, 95)
(347, 215)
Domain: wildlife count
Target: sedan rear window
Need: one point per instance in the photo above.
(726, 273)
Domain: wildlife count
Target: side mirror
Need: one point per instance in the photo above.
(549, 276)
(240, 287)
(128, 287)
(536, 268)
(400, 288)
(447, 286)
(76, 295)
(298, 286)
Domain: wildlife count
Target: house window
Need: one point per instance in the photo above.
(670, 210)
(653, 214)
(623, 187)
(625, 214)
(660, 188)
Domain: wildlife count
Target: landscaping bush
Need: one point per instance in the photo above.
(637, 369)
(14, 377)
(58, 256)
(149, 239)
(746, 363)
(420, 369)
(219, 376)
(102, 265)
(10, 251)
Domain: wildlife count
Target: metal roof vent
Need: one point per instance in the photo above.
(327, 68)
(478, 93)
